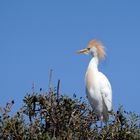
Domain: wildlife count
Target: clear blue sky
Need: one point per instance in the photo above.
(38, 35)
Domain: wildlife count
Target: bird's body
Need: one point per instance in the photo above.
(98, 88)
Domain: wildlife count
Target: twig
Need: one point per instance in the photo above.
(58, 87)
(50, 82)
(33, 87)
(72, 115)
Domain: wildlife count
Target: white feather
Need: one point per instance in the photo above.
(106, 90)
(98, 90)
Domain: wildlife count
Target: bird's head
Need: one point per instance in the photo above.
(95, 48)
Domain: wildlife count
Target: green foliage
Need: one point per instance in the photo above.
(50, 116)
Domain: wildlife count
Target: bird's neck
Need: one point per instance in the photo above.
(93, 64)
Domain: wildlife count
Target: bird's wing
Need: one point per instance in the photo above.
(106, 91)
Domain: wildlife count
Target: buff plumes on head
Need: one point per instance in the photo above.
(100, 49)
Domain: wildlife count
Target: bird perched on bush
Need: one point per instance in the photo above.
(98, 87)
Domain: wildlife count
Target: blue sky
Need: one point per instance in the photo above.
(38, 35)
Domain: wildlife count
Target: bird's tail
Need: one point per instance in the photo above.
(105, 115)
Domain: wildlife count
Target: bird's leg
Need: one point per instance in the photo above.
(101, 124)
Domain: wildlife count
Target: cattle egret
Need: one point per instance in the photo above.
(98, 88)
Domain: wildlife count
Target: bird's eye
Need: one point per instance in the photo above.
(88, 49)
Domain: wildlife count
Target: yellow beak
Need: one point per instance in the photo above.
(83, 51)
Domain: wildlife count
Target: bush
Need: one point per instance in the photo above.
(50, 116)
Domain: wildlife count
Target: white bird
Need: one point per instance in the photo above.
(98, 88)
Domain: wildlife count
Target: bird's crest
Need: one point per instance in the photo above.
(100, 49)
